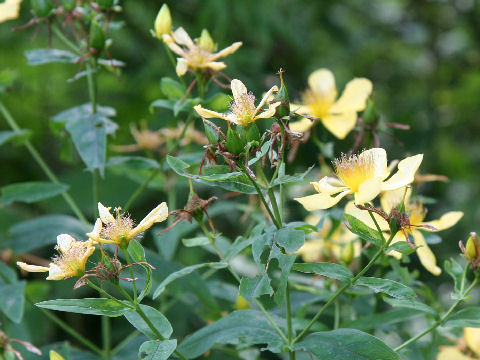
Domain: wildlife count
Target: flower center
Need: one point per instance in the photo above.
(319, 104)
(118, 229)
(198, 56)
(354, 170)
(72, 260)
(243, 107)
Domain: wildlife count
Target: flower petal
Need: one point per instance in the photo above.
(181, 37)
(301, 109)
(322, 83)
(472, 338)
(214, 65)
(227, 51)
(208, 114)
(238, 89)
(182, 67)
(55, 273)
(446, 221)
(167, 39)
(104, 214)
(364, 217)
(324, 186)
(354, 96)
(321, 201)
(159, 214)
(425, 255)
(405, 173)
(55, 356)
(340, 124)
(95, 233)
(272, 108)
(9, 10)
(368, 190)
(266, 97)
(301, 125)
(64, 242)
(379, 157)
(392, 198)
(31, 268)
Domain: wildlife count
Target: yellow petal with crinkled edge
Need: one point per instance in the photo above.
(55, 356)
(340, 124)
(208, 114)
(104, 214)
(321, 201)
(354, 96)
(31, 268)
(214, 65)
(182, 67)
(55, 273)
(472, 338)
(181, 37)
(425, 255)
(9, 10)
(301, 125)
(397, 238)
(451, 353)
(159, 214)
(368, 190)
(405, 173)
(324, 186)
(364, 217)
(238, 89)
(266, 97)
(94, 235)
(379, 157)
(227, 51)
(446, 221)
(267, 113)
(322, 84)
(392, 198)
(64, 241)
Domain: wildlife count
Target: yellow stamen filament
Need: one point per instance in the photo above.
(354, 170)
(244, 108)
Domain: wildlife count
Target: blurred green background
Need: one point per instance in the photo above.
(422, 56)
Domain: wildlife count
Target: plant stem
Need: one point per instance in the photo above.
(92, 83)
(273, 201)
(103, 292)
(129, 261)
(65, 40)
(200, 85)
(289, 320)
(106, 337)
(38, 158)
(343, 288)
(140, 189)
(377, 226)
(440, 321)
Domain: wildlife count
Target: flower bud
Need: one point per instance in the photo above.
(163, 22)
(347, 253)
(42, 8)
(471, 248)
(206, 41)
(282, 96)
(97, 37)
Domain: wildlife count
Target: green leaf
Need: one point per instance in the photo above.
(172, 89)
(196, 241)
(133, 162)
(261, 153)
(30, 192)
(468, 317)
(183, 272)
(402, 247)
(346, 344)
(45, 56)
(17, 136)
(330, 270)
(285, 263)
(390, 287)
(12, 300)
(286, 179)
(94, 306)
(455, 270)
(411, 304)
(219, 102)
(33, 234)
(158, 320)
(248, 325)
(384, 319)
(7, 274)
(253, 288)
(363, 231)
(290, 239)
(136, 251)
(85, 111)
(156, 350)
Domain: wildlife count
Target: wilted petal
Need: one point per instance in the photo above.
(181, 37)
(354, 96)
(324, 186)
(208, 114)
(238, 89)
(301, 125)
(266, 97)
(425, 255)
(340, 124)
(31, 268)
(55, 273)
(64, 241)
(472, 338)
(214, 65)
(321, 201)
(159, 214)
(182, 67)
(405, 173)
(322, 83)
(446, 221)
(268, 113)
(95, 233)
(104, 214)
(368, 190)
(227, 51)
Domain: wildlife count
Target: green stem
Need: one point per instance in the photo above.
(65, 40)
(140, 189)
(92, 83)
(177, 141)
(340, 291)
(289, 320)
(106, 338)
(200, 84)
(38, 158)
(129, 261)
(440, 321)
(103, 292)
(377, 226)
(65, 327)
(273, 201)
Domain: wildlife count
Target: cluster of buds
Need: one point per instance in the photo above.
(471, 250)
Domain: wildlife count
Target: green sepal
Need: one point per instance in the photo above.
(210, 132)
(234, 143)
(282, 95)
(370, 115)
(97, 37)
(41, 8)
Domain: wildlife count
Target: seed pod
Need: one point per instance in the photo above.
(42, 8)
(282, 96)
(97, 38)
(206, 41)
(163, 22)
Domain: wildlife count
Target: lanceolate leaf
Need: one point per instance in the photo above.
(411, 304)
(155, 317)
(95, 306)
(346, 344)
(156, 350)
(12, 300)
(468, 317)
(330, 270)
(252, 288)
(290, 239)
(362, 230)
(384, 319)
(45, 56)
(30, 192)
(248, 325)
(390, 287)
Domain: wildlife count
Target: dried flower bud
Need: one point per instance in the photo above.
(163, 22)
(206, 41)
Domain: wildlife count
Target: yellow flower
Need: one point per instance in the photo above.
(120, 229)
(9, 10)
(71, 260)
(163, 22)
(55, 356)
(326, 244)
(364, 175)
(472, 338)
(243, 110)
(193, 55)
(416, 217)
(339, 116)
